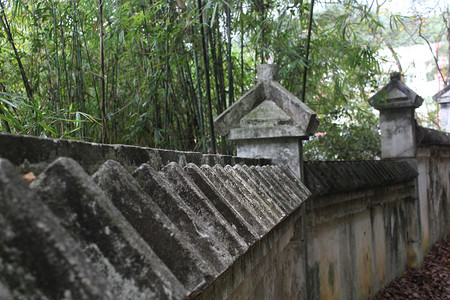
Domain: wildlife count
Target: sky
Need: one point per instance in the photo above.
(404, 7)
(409, 7)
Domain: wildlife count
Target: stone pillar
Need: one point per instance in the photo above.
(269, 122)
(443, 98)
(281, 149)
(397, 103)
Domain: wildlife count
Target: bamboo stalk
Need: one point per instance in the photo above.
(7, 28)
(229, 59)
(102, 74)
(208, 88)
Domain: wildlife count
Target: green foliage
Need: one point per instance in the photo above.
(342, 139)
(155, 75)
(26, 117)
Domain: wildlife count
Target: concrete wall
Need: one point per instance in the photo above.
(346, 242)
(357, 241)
(142, 233)
(273, 268)
(364, 223)
(34, 154)
(356, 244)
(434, 191)
(357, 233)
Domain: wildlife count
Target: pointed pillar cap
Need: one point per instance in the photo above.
(443, 96)
(395, 94)
(267, 111)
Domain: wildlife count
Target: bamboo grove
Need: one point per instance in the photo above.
(156, 73)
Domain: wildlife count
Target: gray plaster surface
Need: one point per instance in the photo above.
(283, 151)
(228, 211)
(267, 72)
(112, 244)
(139, 234)
(443, 96)
(301, 114)
(398, 136)
(269, 122)
(39, 258)
(34, 154)
(152, 224)
(215, 223)
(267, 111)
(185, 230)
(266, 114)
(444, 115)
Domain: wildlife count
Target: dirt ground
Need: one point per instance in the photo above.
(430, 282)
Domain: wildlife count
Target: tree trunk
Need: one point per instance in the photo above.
(5, 123)
(58, 67)
(208, 87)
(63, 46)
(79, 78)
(263, 59)
(242, 48)
(308, 40)
(102, 74)
(448, 53)
(167, 86)
(394, 54)
(223, 96)
(212, 45)
(229, 59)
(5, 25)
(93, 72)
(199, 92)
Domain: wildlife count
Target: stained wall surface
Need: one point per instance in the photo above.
(120, 232)
(357, 226)
(433, 164)
(120, 222)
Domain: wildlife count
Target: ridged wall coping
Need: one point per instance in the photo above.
(124, 232)
(328, 177)
(431, 137)
(35, 153)
(116, 221)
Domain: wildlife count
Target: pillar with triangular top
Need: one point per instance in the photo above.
(397, 103)
(443, 98)
(269, 122)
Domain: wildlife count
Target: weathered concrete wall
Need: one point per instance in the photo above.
(433, 164)
(397, 128)
(258, 234)
(34, 154)
(286, 151)
(347, 241)
(366, 221)
(357, 241)
(165, 233)
(274, 268)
